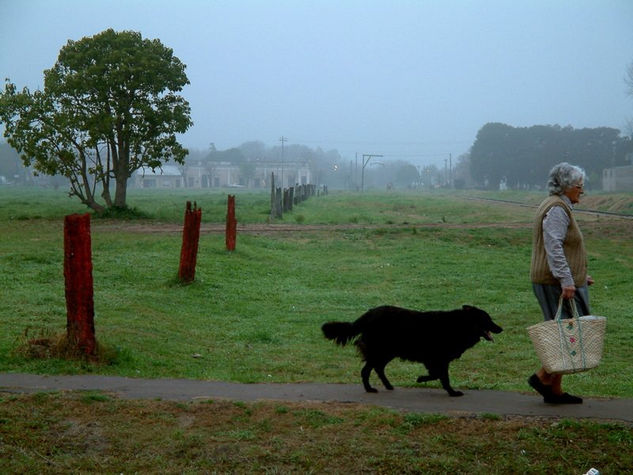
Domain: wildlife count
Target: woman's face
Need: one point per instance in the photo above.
(574, 192)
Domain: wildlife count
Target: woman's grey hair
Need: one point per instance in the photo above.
(563, 176)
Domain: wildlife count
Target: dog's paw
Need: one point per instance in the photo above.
(371, 390)
(456, 394)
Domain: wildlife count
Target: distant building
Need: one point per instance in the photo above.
(287, 174)
(209, 174)
(618, 179)
(167, 176)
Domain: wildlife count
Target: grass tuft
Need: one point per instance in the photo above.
(48, 345)
(126, 213)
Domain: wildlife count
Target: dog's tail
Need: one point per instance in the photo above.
(340, 332)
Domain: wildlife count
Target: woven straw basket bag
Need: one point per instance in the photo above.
(569, 345)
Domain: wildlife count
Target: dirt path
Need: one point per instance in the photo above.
(215, 228)
(614, 225)
(434, 401)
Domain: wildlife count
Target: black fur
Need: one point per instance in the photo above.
(433, 338)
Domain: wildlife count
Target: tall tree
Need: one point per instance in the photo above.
(522, 156)
(109, 106)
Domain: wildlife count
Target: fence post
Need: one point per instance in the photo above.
(190, 238)
(80, 329)
(272, 196)
(279, 203)
(231, 224)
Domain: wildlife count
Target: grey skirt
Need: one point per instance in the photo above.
(548, 296)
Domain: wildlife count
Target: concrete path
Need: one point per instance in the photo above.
(434, 401)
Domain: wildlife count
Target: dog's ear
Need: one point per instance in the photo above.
(467, 307)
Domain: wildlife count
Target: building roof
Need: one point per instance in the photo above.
(165, 170)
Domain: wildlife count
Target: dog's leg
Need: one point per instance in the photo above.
(440, 373)
(443, 375)
(430, 377)
(424, 379)
(380, 371)
(364, 373)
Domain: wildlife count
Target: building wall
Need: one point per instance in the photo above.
(217, 175)
(169, 177)
(617, 179)
(227, 175)
(286, 175)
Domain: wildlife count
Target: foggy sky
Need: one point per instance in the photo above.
(412, 80)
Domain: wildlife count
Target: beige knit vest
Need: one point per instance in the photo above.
(573, 247)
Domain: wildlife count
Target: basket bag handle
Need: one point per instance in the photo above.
(572, 306)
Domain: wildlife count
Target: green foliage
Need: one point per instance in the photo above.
(524, 155)
(109, 106)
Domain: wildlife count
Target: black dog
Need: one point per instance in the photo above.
(432, 338)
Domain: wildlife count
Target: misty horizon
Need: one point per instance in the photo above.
(413, 81)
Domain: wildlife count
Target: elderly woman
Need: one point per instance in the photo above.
(559, 264)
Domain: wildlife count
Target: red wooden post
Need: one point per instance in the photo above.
(80, 328)
(231, 224)
(190, 238)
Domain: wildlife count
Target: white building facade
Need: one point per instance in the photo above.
(617, 179)
(205, 174)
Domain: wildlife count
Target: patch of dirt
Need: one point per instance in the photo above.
(622, 224)
(612, 203)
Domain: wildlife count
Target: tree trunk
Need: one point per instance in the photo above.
(120, 192)
(105, 194)
(95, 206)
(120, 165)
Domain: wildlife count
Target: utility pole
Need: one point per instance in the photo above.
(282, 139)
(355, 172)
(448, 171)
(366, 158)
(445, 171)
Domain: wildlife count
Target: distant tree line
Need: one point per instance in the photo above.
(521, 157)
(517, 157)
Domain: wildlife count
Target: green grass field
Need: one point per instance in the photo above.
(254, 315)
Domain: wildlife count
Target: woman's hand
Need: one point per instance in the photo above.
(590, 280)
(568, 292)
